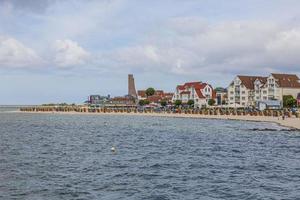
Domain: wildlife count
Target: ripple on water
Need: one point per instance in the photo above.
(69, 157)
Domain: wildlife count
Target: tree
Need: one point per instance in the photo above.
(163, 103)
(150, 91)
(289, 101)
(146, 101)
(178, 103)
(191, 102)
(211, 102)
(142, 102)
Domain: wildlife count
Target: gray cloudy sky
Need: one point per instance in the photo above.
(54, 51)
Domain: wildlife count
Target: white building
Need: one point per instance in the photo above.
(247, 90)
(199, 92)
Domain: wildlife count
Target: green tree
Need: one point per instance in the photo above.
(142, 102)
(191, 102)
(146, 101)
(163, 103)
(211, 102)
(150, 91)
(178, 103)
(289, 101)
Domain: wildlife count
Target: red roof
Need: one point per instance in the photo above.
(199, 93)
(248, 81)
(287, 80)
(142, 93)
(154, 98)
(189, 84)
(161, 93)
(198, 87)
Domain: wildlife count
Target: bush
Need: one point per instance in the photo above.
(142, 102)
(191, 102)
(289, 101)
(178, 103)
(163, 103)
(211, 102)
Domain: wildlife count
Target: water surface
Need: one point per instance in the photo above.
(53, 156)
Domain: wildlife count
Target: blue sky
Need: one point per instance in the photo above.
(62, 51)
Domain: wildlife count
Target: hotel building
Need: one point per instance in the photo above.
(247, 90)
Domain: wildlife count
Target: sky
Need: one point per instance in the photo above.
(55, 51)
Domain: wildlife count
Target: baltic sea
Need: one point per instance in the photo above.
(54, 156)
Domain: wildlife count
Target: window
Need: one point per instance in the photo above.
(231, 98)
(244, 98)
(243, 92)
(231, 92)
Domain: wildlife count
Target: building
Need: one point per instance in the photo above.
(124, 101)
(279, 85)
(269, 104)
(97, 99)
(199, 92)
(221, 96)
(247, 90)
(157, 97)
(241, 90)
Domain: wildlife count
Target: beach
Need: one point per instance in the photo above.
(289, 122)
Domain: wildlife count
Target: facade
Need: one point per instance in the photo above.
(247, 90)
(198, 91)
(125, 101)
(158, 96)
(279, 85)
(269, 104)
(241, 91)
(97, 99)
(221, 96)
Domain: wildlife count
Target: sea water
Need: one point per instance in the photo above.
(57, 156)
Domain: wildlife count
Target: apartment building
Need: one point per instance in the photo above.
(247, 90)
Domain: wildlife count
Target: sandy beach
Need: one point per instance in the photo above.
(292, 122)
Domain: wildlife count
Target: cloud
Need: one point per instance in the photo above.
(14, 54)
(68, 53)
(35, 6)
(183, 46)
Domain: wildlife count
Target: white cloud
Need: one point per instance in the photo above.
(69, 53)
(15, 54)
(184, 46)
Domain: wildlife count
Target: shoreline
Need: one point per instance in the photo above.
(291, 123)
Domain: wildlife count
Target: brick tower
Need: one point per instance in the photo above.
(131, 86)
